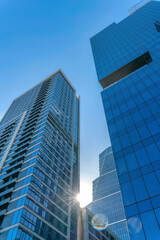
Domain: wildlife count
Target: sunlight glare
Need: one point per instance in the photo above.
(85, 195)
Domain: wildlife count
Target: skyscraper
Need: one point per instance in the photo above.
(39, 163)
(127, 59)
(107, 198)
(88, 229)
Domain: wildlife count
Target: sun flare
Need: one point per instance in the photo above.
(85, 195)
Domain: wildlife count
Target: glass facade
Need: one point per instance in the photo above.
(88, 232)
(127, 59)
(39, 163)
(107, 198)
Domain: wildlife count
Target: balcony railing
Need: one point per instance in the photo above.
(4, 202)
(6, 192)
(3, 212)
(8, 184)
(13, 174)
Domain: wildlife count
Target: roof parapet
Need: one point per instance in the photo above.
(139, 5)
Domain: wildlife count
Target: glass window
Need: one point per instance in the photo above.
(136, 115)
(139, 189)
(158, 175)
(134, 136)
(116, 145)
(128, 121)
(156, 165)
(154, 127)
(144, 132)
(120, 124)
(121, 166)
(12, 233)
(150, 225)
(142, 157)
(127, 193)
(134, 174)
(135, 228)
(146, 169)
(131, 162)
(157, 212)
(153, 152)
(124, 178)
(125, 141)
(152, 184)
(144, 206)
(157, 25)
(131, 210)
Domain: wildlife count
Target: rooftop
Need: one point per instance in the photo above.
(139, 5)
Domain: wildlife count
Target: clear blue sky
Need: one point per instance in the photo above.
(37, 37)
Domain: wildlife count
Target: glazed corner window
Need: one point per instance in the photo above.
(157, 24)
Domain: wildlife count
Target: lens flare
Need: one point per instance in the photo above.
(78, 197)
(99, 222)
(134, 225)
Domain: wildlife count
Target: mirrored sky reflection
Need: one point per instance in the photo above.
(37, 38)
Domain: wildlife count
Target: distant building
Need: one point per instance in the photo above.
(127, 59)
(39, 163)
(87, 232)
(107, 198)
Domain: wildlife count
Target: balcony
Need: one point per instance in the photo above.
(32, 126)
(12, 174)
(37, 107)
(6, 192)
(30, 122)
(18, 154)
(40, 101)
(2, 145)
(4, 203)
(21, 147)
(21, 143)
(35, 117)
(13, 166)
(2, 213)
(27, 131)
(5, 135)
(33, 112)
(10, 126)
(18, 159)
(3, 140)
(27, 136)
(10, 183)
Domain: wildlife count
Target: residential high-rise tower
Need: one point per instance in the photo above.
(39, 163)
(127, 59)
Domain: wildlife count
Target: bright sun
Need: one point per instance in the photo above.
(85, 195)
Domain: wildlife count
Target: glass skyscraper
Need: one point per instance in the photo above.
(87, 231)
(107, 198)
(39, 163)
(127, 59)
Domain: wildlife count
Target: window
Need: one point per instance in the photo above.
(131, 162)
(142, 157)
(144, 206)
(139, 189)
(152, 184)
(131, 210)
(149, 223)
(153, 152)
(121, 166)
(157, 25)
(127, 192)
